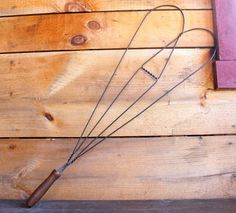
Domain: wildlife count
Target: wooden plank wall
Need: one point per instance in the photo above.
(48, 89)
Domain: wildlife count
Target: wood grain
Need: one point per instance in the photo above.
(148, 206)
(52, 94)
(101, 31)
(123, 168)
(16, 7)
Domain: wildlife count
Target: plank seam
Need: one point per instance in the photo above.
(125, 137)
(93, 12)
(101, 49)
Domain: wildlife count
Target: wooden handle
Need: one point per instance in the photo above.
(42, 188)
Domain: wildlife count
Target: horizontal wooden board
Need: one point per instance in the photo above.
(101, 31)
(147, 206)
(16, 7)
(123, 168)
(52, 94)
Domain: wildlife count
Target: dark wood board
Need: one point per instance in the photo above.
(182, 206)
(225, 17)
(225, 25)
(226, 74)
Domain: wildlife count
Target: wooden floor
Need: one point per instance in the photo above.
(178, 206)
(182, 148)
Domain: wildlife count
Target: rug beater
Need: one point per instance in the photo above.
(81, 148)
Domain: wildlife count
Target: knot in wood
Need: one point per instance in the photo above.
(77, 6)
(94, 25)
(77, 40)
(74, 7)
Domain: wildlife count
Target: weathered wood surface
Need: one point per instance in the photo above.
(16, 7)
(170, 206)
(101, 31)
(123, 168)
(52, 94)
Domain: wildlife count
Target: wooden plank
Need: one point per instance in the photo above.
(100, 30)
(123, 168)
(63, 85)
(16, 7)
(183, 206)
(226, 74)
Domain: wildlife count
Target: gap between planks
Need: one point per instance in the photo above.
(121, 137)
(115, 11)
(81, 50)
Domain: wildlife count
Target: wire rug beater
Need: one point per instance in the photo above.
(85, 143)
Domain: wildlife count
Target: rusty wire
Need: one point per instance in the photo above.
(79, 150)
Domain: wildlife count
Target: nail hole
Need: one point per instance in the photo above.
(48, 116)
(12, 146)
(233, 177)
